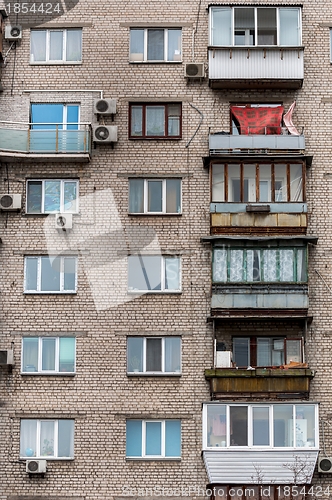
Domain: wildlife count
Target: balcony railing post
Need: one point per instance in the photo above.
(57, 138)
(28, 140)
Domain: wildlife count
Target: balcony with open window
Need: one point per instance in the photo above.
(255, 360)
(255, 47)
(260, 443)
(54, 133)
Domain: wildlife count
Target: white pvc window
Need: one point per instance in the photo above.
(47, 439)
(56, 46)
(155, 44)
(255, 426)
(155, 196)
(255, 26)
(48, 355)
(154, 273)
(154, 355)
(47, 274)
(52, 195)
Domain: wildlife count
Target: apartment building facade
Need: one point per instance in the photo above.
(165, 250)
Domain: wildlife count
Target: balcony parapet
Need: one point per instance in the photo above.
(220, 143)
(19, 141)
(256, 67)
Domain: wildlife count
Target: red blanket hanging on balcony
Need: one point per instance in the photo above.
(260, 120)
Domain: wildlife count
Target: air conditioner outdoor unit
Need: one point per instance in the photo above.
(36, 466)
(13, 33)
(223, 359)
(105, 134)
(64, 221)
(325, 465)
(10, 201)
(104, 107)
(194, 70)
(7, 357)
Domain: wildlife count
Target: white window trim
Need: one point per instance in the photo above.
(256, 27)
(55, 442)
(145, 47)
(163, 277)
(164, 197)
(64, 47)
(62, 195)
(56, 370)
(250, 445)
(162, 371)
(62, 275)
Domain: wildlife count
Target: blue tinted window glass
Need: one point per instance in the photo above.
(153, 438)
(173, 438)
(134, 438)
(46, 116)
(72, 117)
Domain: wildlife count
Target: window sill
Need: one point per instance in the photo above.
(152, 138)
(154, 374)
(154, 459)
(56, 63)
(155, 62)
(172, 214)
(60, 459)
(154, 292)
(35, 292)
(57, 374)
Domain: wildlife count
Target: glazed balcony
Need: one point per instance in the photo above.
(250, 67)
(20, 141)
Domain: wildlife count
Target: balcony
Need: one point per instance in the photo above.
(221, 143)
(19, 141)
(271, 443)
(270, 67)
(259, 383)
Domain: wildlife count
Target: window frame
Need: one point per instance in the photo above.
(162, 455)
(146, 181)
(145, 106)
(39, 274)
(143, 56)
(232, 9)
(62, 208)
(253, 349)
(163, 370)
(163, 289)
(272, 180)
(38, 444)
(261, 249)
(226, 444)
(56, 125)
(64, 60)
(39, 370)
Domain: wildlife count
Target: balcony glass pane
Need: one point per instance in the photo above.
(244, 26)
(283, 425)
(221, 19)
(216, 425)
(301, 265)
(264, 352)
(236, 271)
(234, 188)
(219, 270)
(280, 183)
(290, 32)
(270, 265)
(253, 269)
(266, 26)
(305, 425)
(218, 183)
(238, 425)
(241, 351)
(249, 175)
(265, 183)
(261, 426)
(296, 185)
(286, 258)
